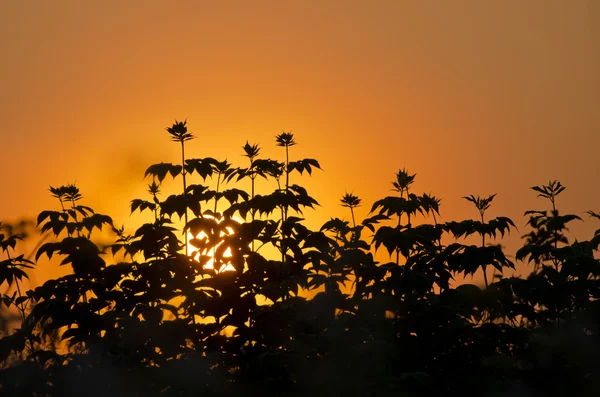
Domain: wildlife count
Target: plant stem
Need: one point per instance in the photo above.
(287, 176)
(21, 309)
(284, 207)
(217, 191)
(399, 224)
(20, 306)
(555, 235)
(253, 211)
(155, 207)
(483, 245)
(287, 173)
(282, 243)
(215, 217)
(183, 174)
(75, 217)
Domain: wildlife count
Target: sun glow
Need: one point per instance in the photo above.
(201, 248)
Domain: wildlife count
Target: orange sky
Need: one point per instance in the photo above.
(475, 97)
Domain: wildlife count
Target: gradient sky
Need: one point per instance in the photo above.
(474, 96)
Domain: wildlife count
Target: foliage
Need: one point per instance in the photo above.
(224, 315)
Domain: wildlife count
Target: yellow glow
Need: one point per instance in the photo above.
(448, 91)
(197, 253)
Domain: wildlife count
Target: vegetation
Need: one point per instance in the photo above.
(262, 305)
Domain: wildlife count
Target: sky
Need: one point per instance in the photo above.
(474, 97)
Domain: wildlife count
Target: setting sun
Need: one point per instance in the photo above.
(207, 255)
(293, 199)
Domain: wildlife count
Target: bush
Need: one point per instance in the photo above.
(252, 301)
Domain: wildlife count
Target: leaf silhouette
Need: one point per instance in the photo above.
(161, 170)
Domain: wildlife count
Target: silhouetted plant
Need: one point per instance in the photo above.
(549, 229)
(13, 270)
(179, 133)
(159, 322)
(469, 259)
(482, 204)
(351, 201)
(551, 280)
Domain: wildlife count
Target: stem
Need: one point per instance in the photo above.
(183, 173)
(215, 217)
(439, 241)
(217, 191)
(555, 235)
(399, 223)
(21, 309)
(408, 214)
(75, 216)
(483, 245)
(260, 246)
(408, 220)
(20, 306)
(287, 175)
(282, 243)
(554, 260)
(282, 220)
(155, 207)
(253, 211)
(352, 212)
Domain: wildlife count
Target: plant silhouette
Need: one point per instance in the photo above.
(264, 305)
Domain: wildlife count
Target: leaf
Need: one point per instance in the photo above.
(161, 170)
(335, 225)
(234, 195)
(96, 221)
(49, 249)
(303, 165)
(207, 225)
(204, 167)
(142, 205)
(48, 214)
(176, 204)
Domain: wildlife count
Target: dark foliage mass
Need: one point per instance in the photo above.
(289, 311)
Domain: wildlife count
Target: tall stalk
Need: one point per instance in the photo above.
(183, 177)
(287, 174)
(482, 204)
(351, 201)
(554, 232)
(221, 168)
(154, 190)
(252, 151)
(20, 306)
(70, 193)
(179, 133)
(285, 139)
(401, 185)
(485, 280)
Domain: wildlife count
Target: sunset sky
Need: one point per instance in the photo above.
(476, 97)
